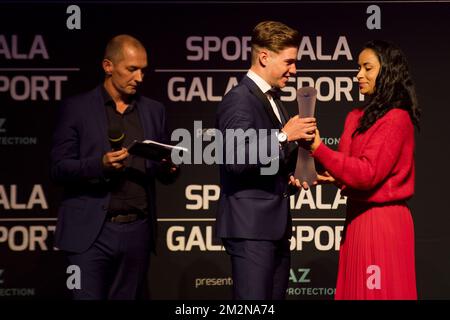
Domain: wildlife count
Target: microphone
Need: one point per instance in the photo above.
(116, 138)
(305, 170)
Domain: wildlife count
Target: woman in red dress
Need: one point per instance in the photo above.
(374, 167)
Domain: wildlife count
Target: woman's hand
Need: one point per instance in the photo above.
(316, 142)
(324, 178)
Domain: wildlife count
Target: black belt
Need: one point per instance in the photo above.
(124, 217)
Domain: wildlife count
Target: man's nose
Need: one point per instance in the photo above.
(292, 69)
(139, 76)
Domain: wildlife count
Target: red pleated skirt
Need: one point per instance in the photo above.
(376, 259)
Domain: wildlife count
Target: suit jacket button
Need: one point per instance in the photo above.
(104, 208)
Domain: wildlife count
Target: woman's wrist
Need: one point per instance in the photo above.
(315, 145)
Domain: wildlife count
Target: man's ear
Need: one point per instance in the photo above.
(107, 66)
(263, 57)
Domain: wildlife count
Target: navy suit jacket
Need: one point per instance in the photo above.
(80, 140)
(251, 205)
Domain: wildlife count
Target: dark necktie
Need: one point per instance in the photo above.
(275, 93)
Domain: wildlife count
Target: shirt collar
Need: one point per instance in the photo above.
(260, 82)
(108, 100)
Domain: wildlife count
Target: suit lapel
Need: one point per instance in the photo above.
(99, 113)
(263, 99)
(283, 110)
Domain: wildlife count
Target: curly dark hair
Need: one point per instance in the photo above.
(394, 87)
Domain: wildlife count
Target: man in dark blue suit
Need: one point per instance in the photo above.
(253, 219)
(107, 218)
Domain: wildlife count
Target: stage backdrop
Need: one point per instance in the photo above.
(197, 52)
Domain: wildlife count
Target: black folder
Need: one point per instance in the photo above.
(153, 150)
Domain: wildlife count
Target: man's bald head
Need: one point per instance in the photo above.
(115, 47)
(124, 65)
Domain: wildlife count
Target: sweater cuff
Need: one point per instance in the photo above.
(320, 152)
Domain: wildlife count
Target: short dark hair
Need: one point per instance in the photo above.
(275, 36)
(114, 48)
(394, 87)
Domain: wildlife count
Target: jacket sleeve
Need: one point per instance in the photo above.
(377, 159)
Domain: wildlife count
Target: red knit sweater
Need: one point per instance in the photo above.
(378, 165)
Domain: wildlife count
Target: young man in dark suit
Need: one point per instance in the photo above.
(107, 218)
(253, 219)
